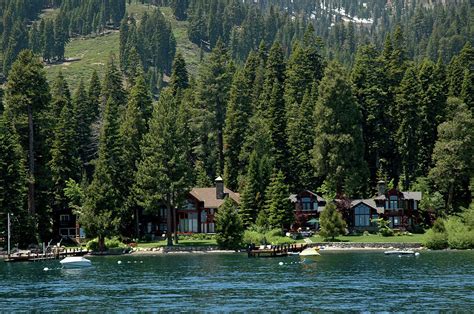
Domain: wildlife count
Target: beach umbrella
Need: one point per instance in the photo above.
(313, 221)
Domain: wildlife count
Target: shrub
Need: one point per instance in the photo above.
(229, 226)
(274, 233)
(93, 245)
(366, 233)
(114, 243)
(459, 235)
(436, 240)
(254, 237)
(331, 222)
(383, 227)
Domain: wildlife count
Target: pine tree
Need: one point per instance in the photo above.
(278, 207)
(47, 41)
(65, 162)
(272, 104)
(179, 9)
(408, 122)
(338, 145)
(83, 118)
(179, 75)
(26, 97)
(467, 91)
(251, 200)
(164, 172)
(238, 114)
(132, 129)
(202, 179)
(14, 182)
(112, 85)
(431, 113)
(101, 212)
(229, 228)
(460, 63)
(300, 129)
(212, 95)
(331, 222)
(368, 79)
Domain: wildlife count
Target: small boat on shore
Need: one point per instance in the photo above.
(401, 252)
(75, 262)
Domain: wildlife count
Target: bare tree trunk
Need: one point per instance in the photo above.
(175, 226)
(31, 170)
(169, 223)
(101, 243)
(450, 198)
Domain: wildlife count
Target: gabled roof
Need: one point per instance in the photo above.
(406, 195)
(294, 197)
(412, 196)
(208, 196)
(369, 202)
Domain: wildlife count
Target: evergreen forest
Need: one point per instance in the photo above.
(326, 95)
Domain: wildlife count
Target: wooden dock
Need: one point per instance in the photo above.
(276, 250)
(36, 257)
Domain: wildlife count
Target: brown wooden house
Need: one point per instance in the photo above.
(398, 207)
(308, 205)
(197, 216)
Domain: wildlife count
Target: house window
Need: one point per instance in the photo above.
(188, 222)
(362, 216)
(306, 203)
(163, 213)
(64, 220)
(393, 203)
(190, 205)
(395, 221)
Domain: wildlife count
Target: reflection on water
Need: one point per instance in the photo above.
(360, 281)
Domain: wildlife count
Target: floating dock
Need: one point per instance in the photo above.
(276, 250)
(36, 257)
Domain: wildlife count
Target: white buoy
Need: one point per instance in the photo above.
(46, 269)
(119, 262)
(141, 262)
(417, 254)
(280, 263)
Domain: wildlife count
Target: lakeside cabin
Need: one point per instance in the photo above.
(197, 214)
(398, 207)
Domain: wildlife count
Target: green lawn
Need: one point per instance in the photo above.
(415, 238)
(181, 243)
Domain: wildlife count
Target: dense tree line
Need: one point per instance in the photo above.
(149, 43)
(435, 29)
(281, 121)
(20, 28)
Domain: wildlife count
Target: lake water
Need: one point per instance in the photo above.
(360, 281)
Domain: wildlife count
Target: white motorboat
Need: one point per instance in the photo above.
(311, 251)
(401, 252)
(75, 262)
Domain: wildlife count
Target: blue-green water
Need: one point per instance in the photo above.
(360, 281)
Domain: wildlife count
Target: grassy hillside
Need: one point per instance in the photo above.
(87, 54)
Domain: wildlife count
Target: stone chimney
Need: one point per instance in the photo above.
(219, 188)
(381, 188)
